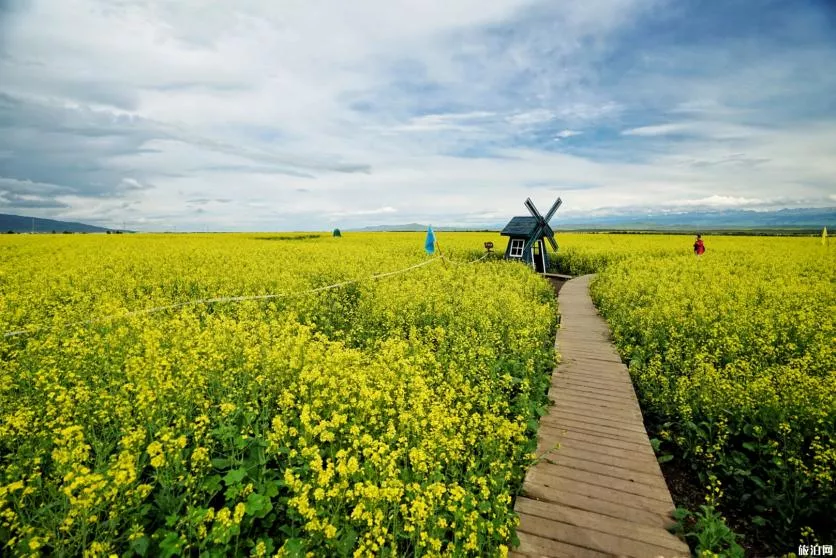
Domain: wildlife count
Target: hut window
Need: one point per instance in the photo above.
(516, 248)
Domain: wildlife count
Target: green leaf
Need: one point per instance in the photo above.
(680, 513)
(751, 446)
(758, 520)
(235, 476)
(140, 545)
(240, 442)
(515, 540)
(212, 484)
(258, 505)
(294, 548)
(271, 488)
(347, 541)
(171, 544)
(665, 458)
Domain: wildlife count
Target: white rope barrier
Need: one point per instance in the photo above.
(234, 298)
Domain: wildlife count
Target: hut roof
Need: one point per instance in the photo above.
(519, 226)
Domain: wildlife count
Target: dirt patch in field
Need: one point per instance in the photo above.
(557, 283)
(687, 493)
(685, 490)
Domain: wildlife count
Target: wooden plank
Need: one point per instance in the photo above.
(604, 442)
(560, 459)
(579, 380)
(603, 507)
(593, 430)
(569, 385)
(597, 522)
(603, 412)
(533, 545)
(609, 373)
(570, 332)
(588, 367)
(595, 403)
(589, 370)
(597, 541)
(586, 432)
(639, 454)
(595, 367)
(569, 359)
(638, 464)
(601, 377)
(612, 382)
(588, 341)
(583, 390)
(556, 486)
(617, 399)
(591, 417)
(543, 472)
(594, 345)
(593, 356)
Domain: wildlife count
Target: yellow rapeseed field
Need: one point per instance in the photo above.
(733, 356)
(389, 417)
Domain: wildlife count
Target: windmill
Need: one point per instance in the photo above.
(527, 235)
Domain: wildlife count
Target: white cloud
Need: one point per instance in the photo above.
(363, 212)
(304, 113)
(716, 130)
(531, 117)
(722, 201)
(444, 122)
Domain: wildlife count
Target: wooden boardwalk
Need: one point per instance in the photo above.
(601, 493)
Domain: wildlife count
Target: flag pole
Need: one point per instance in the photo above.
(438, 246)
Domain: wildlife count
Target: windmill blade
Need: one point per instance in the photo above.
(533, 210)
(548, 233)
(553, 210)
(552, 242)
(535, 234)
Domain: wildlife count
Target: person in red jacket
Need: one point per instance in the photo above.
(699, 247)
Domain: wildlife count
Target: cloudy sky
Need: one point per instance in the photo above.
(308, 114)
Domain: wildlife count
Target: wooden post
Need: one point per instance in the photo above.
(438, 247)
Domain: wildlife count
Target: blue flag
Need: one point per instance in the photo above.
(429, 245)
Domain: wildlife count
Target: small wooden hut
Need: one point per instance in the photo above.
(526, 236)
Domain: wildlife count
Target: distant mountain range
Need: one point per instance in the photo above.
(807, 218)
(736, 219)
(20, 224)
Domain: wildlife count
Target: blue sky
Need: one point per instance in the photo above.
(288, 115)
